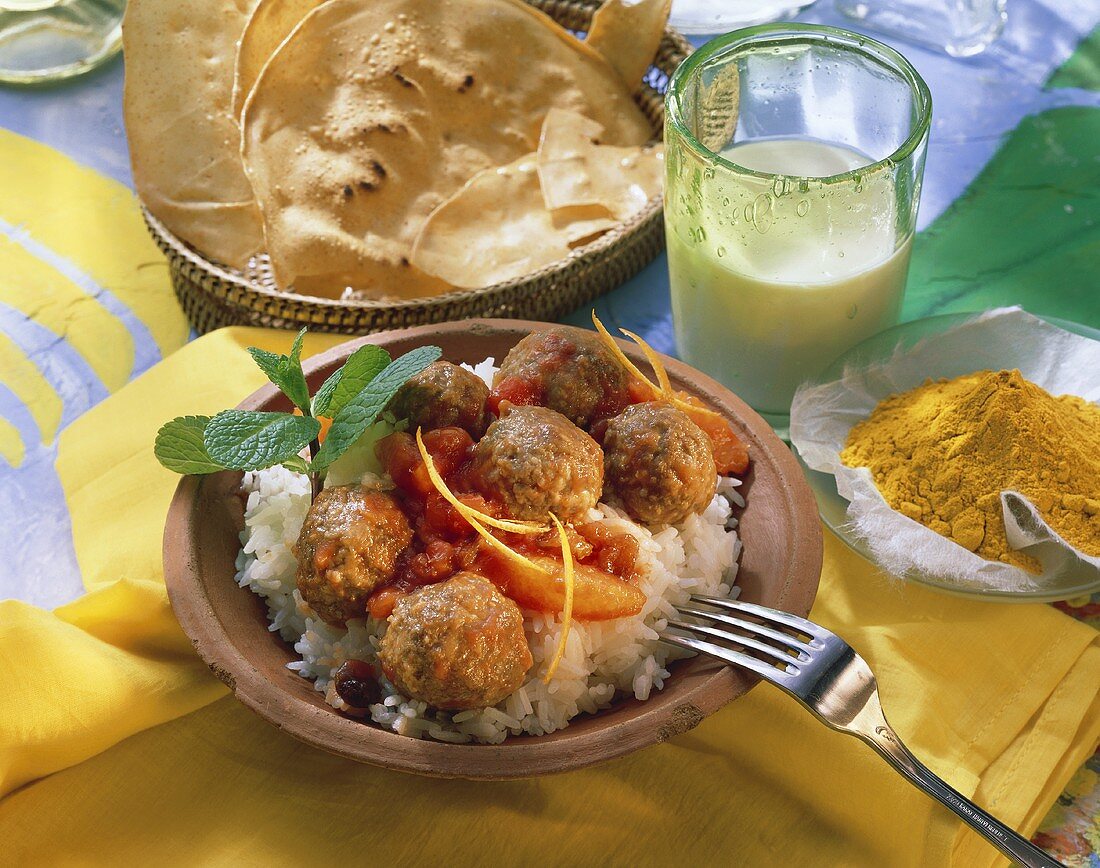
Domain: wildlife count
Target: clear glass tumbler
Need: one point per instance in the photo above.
(794, 154)
(47, 40)
(718, 16)
(961, 28)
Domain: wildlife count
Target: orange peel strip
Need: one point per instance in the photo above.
(694, 409)
(567, 610)
(464, 509)
(471, 515)
(663, 382)
(620, 355)
(663, 390)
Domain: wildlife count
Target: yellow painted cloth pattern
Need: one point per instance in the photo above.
(77, 262)
(92, 221)
(1000, 700)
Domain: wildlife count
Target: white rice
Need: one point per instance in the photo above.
(603, 659)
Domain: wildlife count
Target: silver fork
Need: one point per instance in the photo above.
(821, 671)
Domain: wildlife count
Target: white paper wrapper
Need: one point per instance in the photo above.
(822, 415)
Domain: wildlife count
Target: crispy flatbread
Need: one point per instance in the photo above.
(374, 112)
(575, 169)
(269, 24)
(497, 228)
(184, 140)
(628, 36)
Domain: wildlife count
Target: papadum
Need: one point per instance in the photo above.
(184, 139)
(497, 228)
(576, 168)
(374, 112)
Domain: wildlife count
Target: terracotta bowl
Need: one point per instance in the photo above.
(780, 567)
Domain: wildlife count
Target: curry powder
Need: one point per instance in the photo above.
(942, 453)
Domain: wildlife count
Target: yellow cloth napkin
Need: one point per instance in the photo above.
(1001, 700)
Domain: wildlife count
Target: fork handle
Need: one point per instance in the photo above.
(1008, 841)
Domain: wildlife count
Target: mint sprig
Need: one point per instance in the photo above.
(286, 371)
(363, 410)
(250, 440)
(349, 379)
(354, 397)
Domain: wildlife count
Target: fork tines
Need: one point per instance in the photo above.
(772, 649)
(774, 616)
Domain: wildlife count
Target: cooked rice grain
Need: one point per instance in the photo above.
(602, 659)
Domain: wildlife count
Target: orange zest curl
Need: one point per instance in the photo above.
(624, 360)
(662, 389)
(730, 454)
(663, 382)
(475, 518)
(567, 610)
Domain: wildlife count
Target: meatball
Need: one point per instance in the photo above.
(565, 369)
(348, 547)
(535, 461)
(441, 396)
(457, 644)
(660, 466)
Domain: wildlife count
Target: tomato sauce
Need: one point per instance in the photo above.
(515, 390)
(444, 543)
(592, 545)
(730, 454)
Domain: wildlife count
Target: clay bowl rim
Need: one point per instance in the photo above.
(647, 723)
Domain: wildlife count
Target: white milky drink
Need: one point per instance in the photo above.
(794, 156)
(775, 277)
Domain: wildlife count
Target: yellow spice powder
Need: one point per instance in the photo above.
(942, 454)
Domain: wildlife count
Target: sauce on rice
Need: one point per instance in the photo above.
(544, 461)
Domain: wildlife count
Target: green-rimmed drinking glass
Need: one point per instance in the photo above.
(795, 154)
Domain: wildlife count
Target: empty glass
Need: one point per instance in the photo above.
(959, 27)
(720, 16)
(47, 40)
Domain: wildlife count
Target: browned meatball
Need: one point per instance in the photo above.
(348, 547)
(535, 461)
(660, 466)
(565, 369)
(457, 644)
(441, 396)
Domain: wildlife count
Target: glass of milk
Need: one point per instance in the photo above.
(794, 154)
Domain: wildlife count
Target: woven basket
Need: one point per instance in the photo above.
(213, 295)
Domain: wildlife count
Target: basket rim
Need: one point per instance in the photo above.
(577, 260)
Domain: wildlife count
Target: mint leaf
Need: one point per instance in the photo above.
(298, 464)
(349, 380)
(250, 440)
(286, 371)
(294, 385)
(323, 399)
(179, 446)
(270, 363)
(296, 347)
(361, 411)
